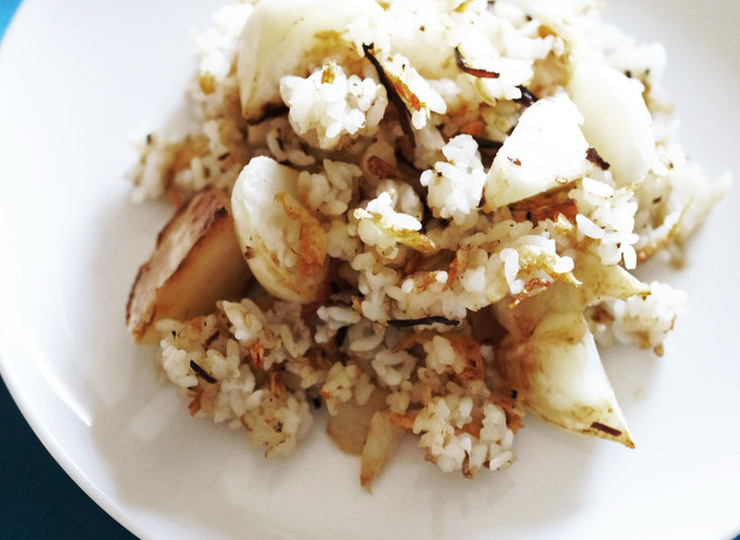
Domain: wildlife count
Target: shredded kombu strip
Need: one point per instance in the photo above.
(340, 336)
(606, 429)
(528, 98)
(593, 156)
(202, 372)
(489, 144)
(210, 339)
(488, 149)
(437, 319)
(393, 96)
(475, 72)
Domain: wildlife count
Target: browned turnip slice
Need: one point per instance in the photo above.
(196, 262)
(382, 440)
(551, 360)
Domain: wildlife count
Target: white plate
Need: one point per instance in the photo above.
(77, 77)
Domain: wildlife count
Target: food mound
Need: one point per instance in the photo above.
(419, 217)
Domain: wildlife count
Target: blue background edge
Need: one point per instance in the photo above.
(37, 498)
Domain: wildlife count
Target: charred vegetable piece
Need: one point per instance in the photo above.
(196, 262)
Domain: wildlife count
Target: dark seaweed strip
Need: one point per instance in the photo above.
(210, 339)
(593, 156)
(340, 336)
(393, 97)
(528, 98)
(407, 323)
(202, 373)
(466, 466)
(606, 429)
(475, 72)
(488, 149)
(487, 143)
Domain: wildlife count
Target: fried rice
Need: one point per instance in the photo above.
(471, 185)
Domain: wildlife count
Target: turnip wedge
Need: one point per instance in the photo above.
(195, 263)
(383, 438)
(290, 37)
(550, 359)
(546, 150)
(282, 241)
